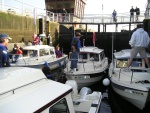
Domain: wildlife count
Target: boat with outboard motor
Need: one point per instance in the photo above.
(35, 56)
(91, 65)
(134, 84)
(27, 90)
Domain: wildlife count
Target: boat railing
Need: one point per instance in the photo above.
(13, 90)
(20, 55)
(132, 72)
(82, 61)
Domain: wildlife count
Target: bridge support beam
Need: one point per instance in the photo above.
(99, 27)
(86, 30)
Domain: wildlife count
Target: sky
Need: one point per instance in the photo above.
(92, 6)
(121, 6)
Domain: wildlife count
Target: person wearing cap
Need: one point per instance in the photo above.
(139, 41)
(75, 48)
(4, 57)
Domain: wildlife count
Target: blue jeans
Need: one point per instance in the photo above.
(74, 60)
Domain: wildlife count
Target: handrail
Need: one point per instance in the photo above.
(13, 90)
(145, 69)
(20, 56)
(82, 63)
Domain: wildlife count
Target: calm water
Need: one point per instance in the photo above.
(116, 102)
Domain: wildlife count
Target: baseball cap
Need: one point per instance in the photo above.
(78, 34)
(2, 36)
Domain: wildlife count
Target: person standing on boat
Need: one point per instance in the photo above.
(132, 14)
(4, 57)
(114, 14)
(137, 10)
(75, 48)
(139, 41)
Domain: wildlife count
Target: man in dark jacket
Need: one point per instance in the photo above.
(4, 57)
(132, 14)
(75, 47)
(64, 12)
(137, 10)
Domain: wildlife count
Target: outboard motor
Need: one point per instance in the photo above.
(74, 85)
(85, 91)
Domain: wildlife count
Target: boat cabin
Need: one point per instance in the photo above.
(27, 90)
(91, 54)
(122, 57)
(38, 51)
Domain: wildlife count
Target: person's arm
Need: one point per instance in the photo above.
(148, 39)
(74, 42)
(132, 40)
(19, 51)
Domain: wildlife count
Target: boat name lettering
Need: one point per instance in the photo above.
(138, 93)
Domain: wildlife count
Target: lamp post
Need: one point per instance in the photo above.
(102, 13)
(148, 9)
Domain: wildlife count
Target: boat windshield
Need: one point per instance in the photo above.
(102, 55)
(122, 63)
(44, 52)
(83, 56)
(60, 107)
(94, 57)
(33, 53)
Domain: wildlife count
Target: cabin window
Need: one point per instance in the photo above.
(52, 51)
(136, 63)
(83, 56)
(60, 107)
(102, 55)
(122, 63)
(44, 52)
(94, 57)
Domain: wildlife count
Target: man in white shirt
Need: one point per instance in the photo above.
(139, 41)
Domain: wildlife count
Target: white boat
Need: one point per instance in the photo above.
(35, 56)
(132, 85)
(27, 90)
(92, 65)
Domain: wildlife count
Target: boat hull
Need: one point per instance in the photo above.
(136, 97)
(84, 80)
(53, 64)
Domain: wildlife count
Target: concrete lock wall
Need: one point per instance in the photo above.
(18, 27)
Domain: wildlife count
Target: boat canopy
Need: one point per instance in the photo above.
(125, 54)
(90, 50)
(37, 47)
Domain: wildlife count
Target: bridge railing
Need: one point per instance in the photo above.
(32, 11)
(107, 18)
